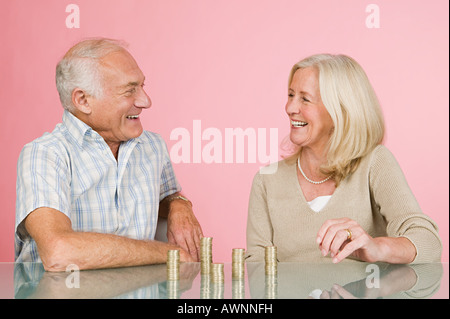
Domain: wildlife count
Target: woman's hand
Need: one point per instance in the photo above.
(344, 237)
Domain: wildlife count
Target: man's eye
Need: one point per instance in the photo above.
(305, 99)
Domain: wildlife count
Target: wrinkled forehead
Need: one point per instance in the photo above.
(119, 68)
(305, 79)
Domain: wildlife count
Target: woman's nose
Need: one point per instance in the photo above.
(292, 107)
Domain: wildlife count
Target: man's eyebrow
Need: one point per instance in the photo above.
(132, 84)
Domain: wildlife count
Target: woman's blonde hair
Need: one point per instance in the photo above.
(353, 106)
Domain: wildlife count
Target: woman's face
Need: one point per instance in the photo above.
(311, 124)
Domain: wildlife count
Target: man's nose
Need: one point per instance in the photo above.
(143, 100)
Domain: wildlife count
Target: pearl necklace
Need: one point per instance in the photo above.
(309, 180)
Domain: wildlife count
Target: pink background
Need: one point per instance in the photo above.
(226, 63)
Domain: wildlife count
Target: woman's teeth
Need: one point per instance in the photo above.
(133, 117)
(298, 123)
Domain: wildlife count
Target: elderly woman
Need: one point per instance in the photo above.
(342, 193)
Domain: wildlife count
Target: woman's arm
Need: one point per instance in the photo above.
(259, 228)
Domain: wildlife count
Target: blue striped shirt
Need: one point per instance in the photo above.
(74, 171)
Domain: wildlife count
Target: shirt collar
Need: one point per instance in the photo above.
(81, 131)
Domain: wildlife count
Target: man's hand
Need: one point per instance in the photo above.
(183, 229)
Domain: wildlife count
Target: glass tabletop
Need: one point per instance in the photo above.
(292, 280)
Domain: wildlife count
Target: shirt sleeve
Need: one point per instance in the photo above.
(397, 204)
(169, 182)
(42, 181)
(259, 227)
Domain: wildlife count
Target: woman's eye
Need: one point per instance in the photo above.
(305, 99)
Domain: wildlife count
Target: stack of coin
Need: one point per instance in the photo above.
(238, 263)
(271, 287)
(173, 290)
(173, 265)
(271, 260)
(217, 291)
(217, 273)
(238, 289)
(205, 255)
(217, 281)
(205, 287)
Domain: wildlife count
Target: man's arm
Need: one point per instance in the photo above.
(59, 245)
(183, 229)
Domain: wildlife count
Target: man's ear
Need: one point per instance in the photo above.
(80, 101)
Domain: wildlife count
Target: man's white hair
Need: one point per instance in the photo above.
(80, 68)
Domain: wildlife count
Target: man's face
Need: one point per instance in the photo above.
(115, 116)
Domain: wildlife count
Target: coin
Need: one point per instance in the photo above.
(205, 255)
(217, 273)
(271, 260)
(173, 264)
(238, 263)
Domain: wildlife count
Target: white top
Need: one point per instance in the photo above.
(319, 202)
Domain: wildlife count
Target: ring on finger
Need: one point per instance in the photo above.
(349, 234)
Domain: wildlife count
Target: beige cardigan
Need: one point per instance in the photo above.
(376, 195)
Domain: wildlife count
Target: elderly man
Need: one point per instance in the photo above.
(90, 192)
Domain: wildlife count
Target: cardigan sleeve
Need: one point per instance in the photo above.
(396, 203)
(259, 227)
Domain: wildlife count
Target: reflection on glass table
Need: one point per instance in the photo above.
(292, 281)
